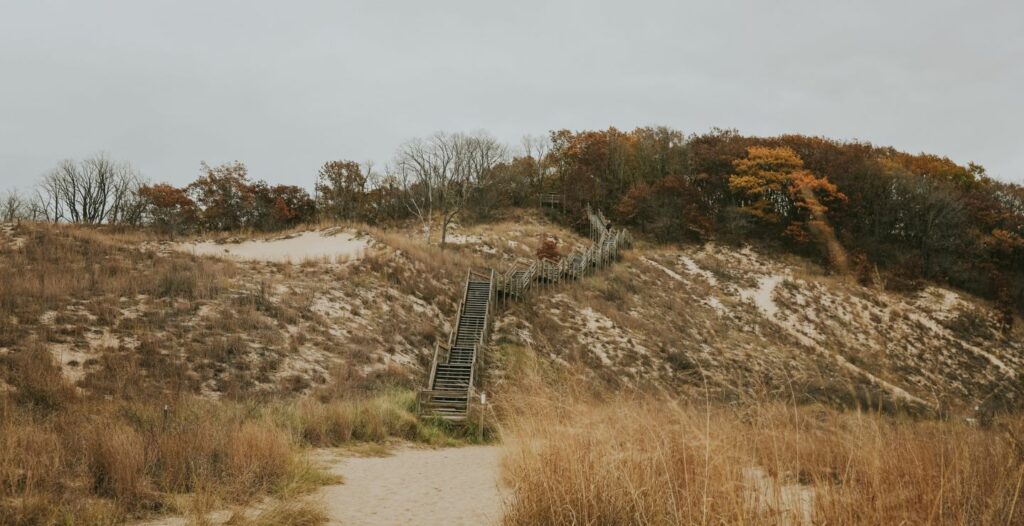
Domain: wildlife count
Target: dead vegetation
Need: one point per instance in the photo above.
(136, 381)
(256, 361)
(74, 458)
(649, 460)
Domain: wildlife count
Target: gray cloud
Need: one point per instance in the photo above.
(286, 86)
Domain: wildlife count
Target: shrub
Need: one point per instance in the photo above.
(37, 378)
(117, 462)
(259, 456)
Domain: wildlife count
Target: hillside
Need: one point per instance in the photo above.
(121, 311)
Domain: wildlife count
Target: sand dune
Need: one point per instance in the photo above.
(336, 246)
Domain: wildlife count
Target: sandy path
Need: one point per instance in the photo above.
(450, 486)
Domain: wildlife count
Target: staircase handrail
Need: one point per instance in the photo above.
(455, 328)
(487, 313)
(433, 366)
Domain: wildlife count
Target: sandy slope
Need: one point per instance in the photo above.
(296, 248)
(418, 486)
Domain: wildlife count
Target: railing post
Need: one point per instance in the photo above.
(433, 367)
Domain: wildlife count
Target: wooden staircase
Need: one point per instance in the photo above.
(455, 365)
(454, 372)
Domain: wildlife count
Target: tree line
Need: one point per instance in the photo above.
(872, 211)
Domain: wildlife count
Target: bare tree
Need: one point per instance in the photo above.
(438, 174)
(12, 207)
(96, 190)
(422, 168)
(536, 147)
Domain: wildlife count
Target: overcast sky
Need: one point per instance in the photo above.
(285, 86)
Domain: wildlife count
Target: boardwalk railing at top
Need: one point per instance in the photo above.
(518, 278)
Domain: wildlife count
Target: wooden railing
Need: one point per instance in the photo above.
(513, 283)
(579, 261)
(550, 199)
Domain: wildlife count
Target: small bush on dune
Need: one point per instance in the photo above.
(31, 457)
(326, 424)
(259, 456)
(188, 454)
(117, 463)
(177, 281)
(37, 378)
(388, 415)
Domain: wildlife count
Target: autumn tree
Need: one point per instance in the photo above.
(340, 188)
(223, 196)
(775, 188)
(385, 199)
(601, 167)
(279, 206)
(167, 208)
(511, 183)
(670, 209)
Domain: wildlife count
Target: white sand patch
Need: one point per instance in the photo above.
(411, 486)
(762, 295)
(100, 340)
(48, 318)
(671, 273)
(763, 299)
(334, 246)
(604, 338)
(460, 239)
(479, 243)
(693, 268)
(894, 390)
(941, 331)
(72, 362)
(943, 304)
(308, 362)
(716, 304)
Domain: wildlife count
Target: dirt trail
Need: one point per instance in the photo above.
(450, 486)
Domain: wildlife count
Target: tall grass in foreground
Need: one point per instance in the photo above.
(93, 461)
(661, 462)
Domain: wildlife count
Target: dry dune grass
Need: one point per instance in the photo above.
(283, 513)
(657, 461)
(57, 265)
(68, 458)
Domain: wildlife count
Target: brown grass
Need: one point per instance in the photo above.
(116, 460)
(654, 461)
(57, 264)
(284, 513)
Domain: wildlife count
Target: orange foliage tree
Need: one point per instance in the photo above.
(167, 208)
(774, 187)
(223, 195)
(281, 206)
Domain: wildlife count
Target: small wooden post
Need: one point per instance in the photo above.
(483, 408)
